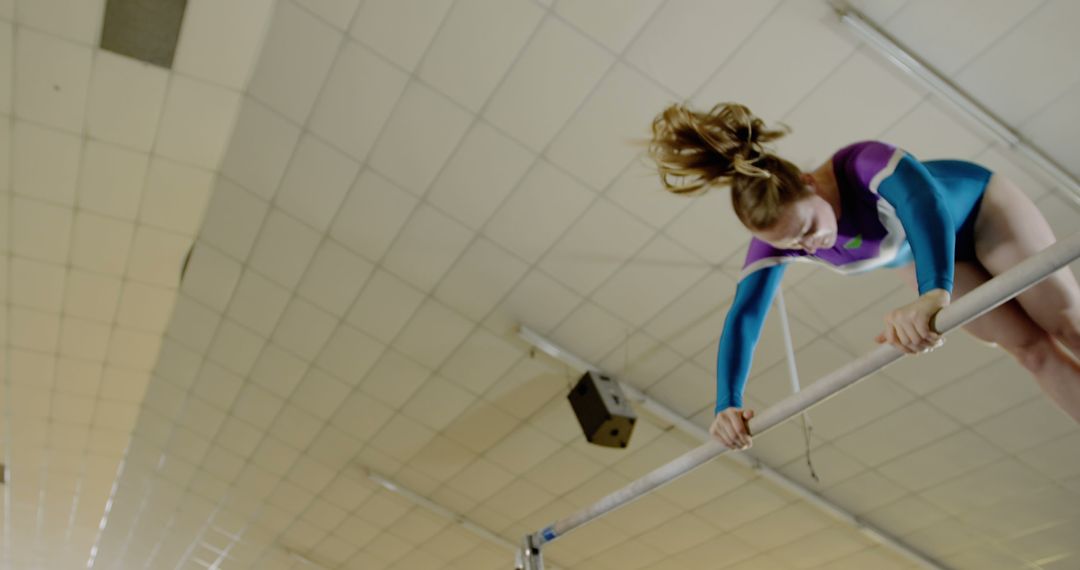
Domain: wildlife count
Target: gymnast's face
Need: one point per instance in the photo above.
(808, 224)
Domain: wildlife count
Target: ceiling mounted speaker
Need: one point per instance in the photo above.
(602, 410)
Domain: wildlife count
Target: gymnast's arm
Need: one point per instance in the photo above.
(921, 207)
(742, 329)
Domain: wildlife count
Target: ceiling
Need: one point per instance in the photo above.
(379, 192)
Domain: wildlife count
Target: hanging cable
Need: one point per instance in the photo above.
(793, 371)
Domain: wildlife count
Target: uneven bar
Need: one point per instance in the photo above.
(969, 307)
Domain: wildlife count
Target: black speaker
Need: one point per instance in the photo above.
(604, 413)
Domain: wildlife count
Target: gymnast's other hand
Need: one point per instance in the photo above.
(909, 327)
(730, 428)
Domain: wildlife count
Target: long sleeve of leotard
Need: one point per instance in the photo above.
(742, 329)
(923, 212)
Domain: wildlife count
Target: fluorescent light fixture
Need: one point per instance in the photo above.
(876, 38)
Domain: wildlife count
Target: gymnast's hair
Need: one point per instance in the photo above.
(695, 150)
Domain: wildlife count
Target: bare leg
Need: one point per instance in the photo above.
(1011, 328)
(1009, 229)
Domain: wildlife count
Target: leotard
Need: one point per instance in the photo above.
(894, 209)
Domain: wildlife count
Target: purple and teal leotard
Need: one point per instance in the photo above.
(894, 209)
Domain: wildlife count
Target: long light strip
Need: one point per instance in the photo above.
(744, 459)
(440, 510)
(876, 38)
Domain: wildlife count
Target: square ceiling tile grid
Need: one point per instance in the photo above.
(389, 206)
(104, 193)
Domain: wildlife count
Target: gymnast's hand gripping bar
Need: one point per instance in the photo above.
(967, 308)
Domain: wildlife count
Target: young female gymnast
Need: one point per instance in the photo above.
(871, 206)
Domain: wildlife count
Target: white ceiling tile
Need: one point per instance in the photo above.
(368, 230)
(37, 285)
(591, 332)
(7, 44)
(112, 180)
(821, 46)
(101, 244)
(400, 30)
(696, 316)
(157, 256)
(912, 427)
(928, 372)
(1000, 385)
(483, 275)
(193, 324)
(1036, 53)
(114, 116)
(556, 55)
(467, 58)
(872, 398)
(133, 349)
(429, 243)
(145, 307)
(295, 58)
(220, 41)
(384, 306)
(277, 370)
(929, 28)
(432, 334)
(334, 278)
(638, 189)
(217, 386)
(316, 182)
(479, 176)
(867, 97)
(319, 393)
(866, 491)
(304, 328)
(686, 389)
(401, 438)
(284, 249)
(236, 347)
(544, 206)
(394, 378)
(603, 239)
(361, 416)
(1026, 425)
(258, 303)
(480, 361)
(337, 13)
(1056, 459)
(480, 480)
(274, 456)
(612, 23)
(1050, 127)
(984, 487)
(46, 163)
(522, 449)
(350, 354)
(356, 102)
(53, 77)
(642, 361)
(210, 277)
(232, 219)
(257, 406)
(196, 122)
(261, 145)
(84, 339)
(176, 196)
(879, 10)
(653, 278)
(931, 131)
(685, 27)
(310, 474)
(75, 21)
(335, 449)
(123, 385)
(411, 161)
(39, 230)
(943, 459)
(438, 403)
(605, 134)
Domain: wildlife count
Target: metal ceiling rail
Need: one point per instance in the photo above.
(969, 307)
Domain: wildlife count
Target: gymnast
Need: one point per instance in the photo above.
(943, 226)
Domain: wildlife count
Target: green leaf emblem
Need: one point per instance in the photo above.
(854, 242)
